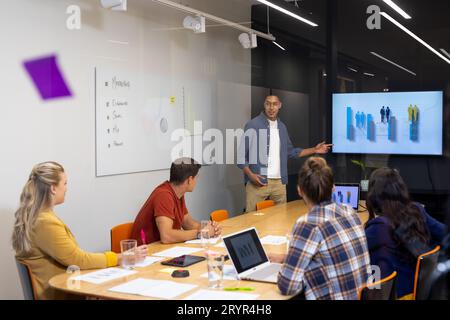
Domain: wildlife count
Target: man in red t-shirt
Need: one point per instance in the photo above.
(164, 215)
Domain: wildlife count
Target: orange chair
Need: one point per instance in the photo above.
(264, 204)
(120, 232)
(386, 291)
(426, 264)
(219, 215)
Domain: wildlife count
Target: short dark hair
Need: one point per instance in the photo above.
(183, 168)
(316, 180)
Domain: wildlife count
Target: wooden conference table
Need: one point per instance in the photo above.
(277, 220)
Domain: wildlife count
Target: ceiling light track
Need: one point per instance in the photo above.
(211, 17)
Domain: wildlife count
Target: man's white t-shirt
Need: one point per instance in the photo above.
(273, 166)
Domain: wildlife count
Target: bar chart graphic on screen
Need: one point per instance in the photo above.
(388, 123)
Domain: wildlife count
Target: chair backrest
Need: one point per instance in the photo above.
(426, 264)
(118, 233)
(219, 215)
(381, 290)
(26, 280)
(264, 204)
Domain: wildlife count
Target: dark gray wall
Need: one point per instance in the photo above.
(299, 69)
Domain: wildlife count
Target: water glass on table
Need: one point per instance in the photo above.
(128, 249)
(215, 262)
(204, 233)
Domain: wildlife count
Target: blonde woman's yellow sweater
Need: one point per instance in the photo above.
(53, 249)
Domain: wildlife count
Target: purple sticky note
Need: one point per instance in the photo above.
(47, 77)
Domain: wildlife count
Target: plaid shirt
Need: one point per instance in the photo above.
(328, 256)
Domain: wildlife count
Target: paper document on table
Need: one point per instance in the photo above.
(104, 275)
(199, 241)
(154, 288)
(148, 261)
(229, 273)
(220, 295)
(176, 252)
(220, 245)
(274, 240)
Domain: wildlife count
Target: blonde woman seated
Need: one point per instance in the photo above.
(43, 241)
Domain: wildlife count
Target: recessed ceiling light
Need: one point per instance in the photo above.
(289, 13)
(445, 52)
(278, 46)
(410, 33)
(398, 9)
(393, 63)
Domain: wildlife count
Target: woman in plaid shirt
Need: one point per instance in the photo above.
(328, 256)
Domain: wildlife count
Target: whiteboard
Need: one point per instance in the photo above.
(136, 115)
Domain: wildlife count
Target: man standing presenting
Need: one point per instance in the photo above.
(263, 155)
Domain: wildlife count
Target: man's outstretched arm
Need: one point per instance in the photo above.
(321, 148)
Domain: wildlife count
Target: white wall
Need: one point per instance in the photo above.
(63, 130)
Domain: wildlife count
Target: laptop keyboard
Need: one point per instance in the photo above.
(268, 272)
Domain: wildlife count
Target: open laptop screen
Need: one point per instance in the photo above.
(347, 193)
(245, 250)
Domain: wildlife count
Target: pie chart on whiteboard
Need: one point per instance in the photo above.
(163, 125)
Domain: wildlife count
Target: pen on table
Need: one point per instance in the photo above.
(239, 289)
(144, 241)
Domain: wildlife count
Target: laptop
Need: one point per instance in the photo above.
(249, 258)
(347, 194)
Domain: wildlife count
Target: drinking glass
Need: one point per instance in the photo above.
(128, 249)
(215, 262)
(204, 233)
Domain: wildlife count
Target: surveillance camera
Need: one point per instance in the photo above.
(116, 5)
(196, 24)
(248, 41)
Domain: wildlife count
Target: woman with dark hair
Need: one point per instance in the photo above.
(398, 230)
